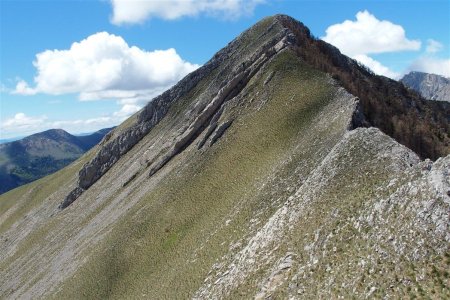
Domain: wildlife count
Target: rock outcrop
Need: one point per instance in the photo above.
(424, 211)
(239, 80)
(123, 139)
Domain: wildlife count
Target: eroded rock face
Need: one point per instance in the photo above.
(220, 131)
(239, 80)
(73, 195)
(147, 118)
(113, 147)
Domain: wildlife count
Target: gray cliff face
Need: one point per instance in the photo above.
(236, 70)
(430, 86)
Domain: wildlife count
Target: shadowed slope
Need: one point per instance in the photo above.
(421, 125)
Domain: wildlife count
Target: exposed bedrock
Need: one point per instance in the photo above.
(229, 91)
(122, 140)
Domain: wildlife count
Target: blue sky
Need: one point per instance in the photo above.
(126, 52)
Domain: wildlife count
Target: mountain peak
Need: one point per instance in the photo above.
(384, 103)
(254, 177)
(52, 134)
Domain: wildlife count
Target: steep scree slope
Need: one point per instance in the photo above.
(247, 179)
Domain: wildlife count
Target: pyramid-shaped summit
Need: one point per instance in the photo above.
(279, 169)
(385, 103)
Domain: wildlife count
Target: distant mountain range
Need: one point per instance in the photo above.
(40, 154)
(9, 140)
(430, 86)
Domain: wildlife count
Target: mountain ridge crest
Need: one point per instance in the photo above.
(288, 33)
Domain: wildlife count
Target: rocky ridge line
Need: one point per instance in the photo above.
(113, 147)
(213, 110)
(421, 125)
(384, 103)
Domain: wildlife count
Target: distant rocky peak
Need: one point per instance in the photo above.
(430, 86)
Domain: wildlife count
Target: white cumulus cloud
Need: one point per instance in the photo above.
(432, 65)
(129, 12)
(21, 124)
(102, 66)
(369, 35)
(376, 66)
(105, 66)
(20, 120)
(22, 88)
(127, 110)
(82, 123)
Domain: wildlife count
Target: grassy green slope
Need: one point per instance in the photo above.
(286, 203)
(36, 236)
(167, 243)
